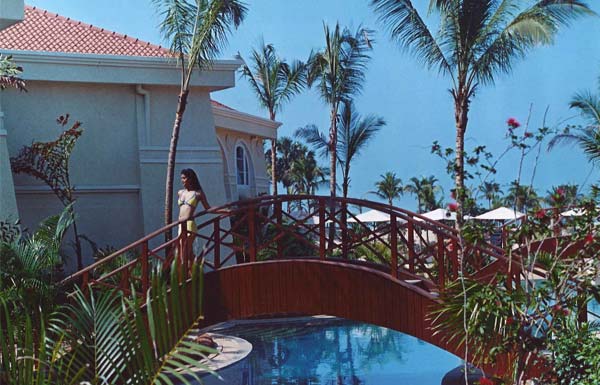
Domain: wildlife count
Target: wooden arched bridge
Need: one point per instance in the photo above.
(277, 255)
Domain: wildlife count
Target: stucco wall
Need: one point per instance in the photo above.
(119, 163)
(259, 180)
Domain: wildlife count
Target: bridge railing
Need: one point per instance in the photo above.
(405, 245)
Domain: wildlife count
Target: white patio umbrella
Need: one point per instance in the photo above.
(575, 212)
(440, 215)
(500, 214)
(374, 216)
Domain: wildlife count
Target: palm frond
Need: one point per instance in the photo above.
(588, 105)
(314, 138)
(409, 30)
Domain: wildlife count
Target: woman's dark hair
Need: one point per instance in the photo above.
(193, 178)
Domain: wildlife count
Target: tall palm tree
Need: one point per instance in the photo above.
(288, 151)
(521, 197)
(563, 195)
(354, 132)
(339, 71)
(476, 40)
(491, 191)
(389, 187)
(587, 137)
(274, 82)
(425, 189)
(197, 30)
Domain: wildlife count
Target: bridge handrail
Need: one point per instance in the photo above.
(335, 209)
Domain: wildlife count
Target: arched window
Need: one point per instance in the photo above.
(241, 162)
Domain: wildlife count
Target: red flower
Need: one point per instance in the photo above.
(528, 134)
(540, 214)
(589, 238)
(510, 321)
(485, 381)
(560, 191)
(452, 206)
(566, 312)
(557, 308)
(513, 123)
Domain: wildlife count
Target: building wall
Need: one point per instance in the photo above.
(119, 164)
(259, 181)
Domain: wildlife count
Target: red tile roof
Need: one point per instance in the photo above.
(45, 31)
(221, 105)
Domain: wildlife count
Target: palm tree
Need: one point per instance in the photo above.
(288, 151)
(588, 137)
(339, 71)
(425, 190)
(307, 175)
(490, 190)
(476, 41)
(104, 337)
(29, 266)
(197, 30)
(389, 187)
(354, 134)
(563, 195)
(521, 197)
(274, 82)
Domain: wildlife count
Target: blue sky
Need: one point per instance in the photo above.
(413, 100)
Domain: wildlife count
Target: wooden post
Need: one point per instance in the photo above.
(124, 284)
(441, 261)
(454, 257)
(182, 248)
(394, 245)
(145, 268)
(279, 219)
(85, 281)
(252, 233)
(344, 229)
(217, 242)
(322, 237)
(411, 247)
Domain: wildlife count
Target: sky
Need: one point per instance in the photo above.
(413, 100)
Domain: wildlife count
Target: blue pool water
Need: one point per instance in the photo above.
(334, 352)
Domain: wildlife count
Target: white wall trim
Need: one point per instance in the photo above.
(110, 69)
(183, 161)
(254, 125)
(82, 189)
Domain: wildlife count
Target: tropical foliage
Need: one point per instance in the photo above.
(588, 136)
(475, 42)
(426, 190)
(30, 267)
(389, 187)
(354, 133)
(49, 162)
(9, 74)
(274, 82)
(338, 71)
(196, 30)
(105, 338)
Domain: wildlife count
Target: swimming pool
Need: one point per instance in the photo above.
(333, 352)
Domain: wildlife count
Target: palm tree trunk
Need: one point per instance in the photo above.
(273, 161)
(332, 174)
(181, 105)
(346, 177)
(461, 106)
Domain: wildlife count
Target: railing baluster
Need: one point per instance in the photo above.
(217, 243)
(454, 257)
(394, 245)
(279, 219)
(252, 233)
(182, 249)
(344, 225)
(441, 252)
(411, 246)
(322, 236)
(145, 268)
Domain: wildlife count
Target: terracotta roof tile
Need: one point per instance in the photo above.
(221, 105)
(45, 31)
